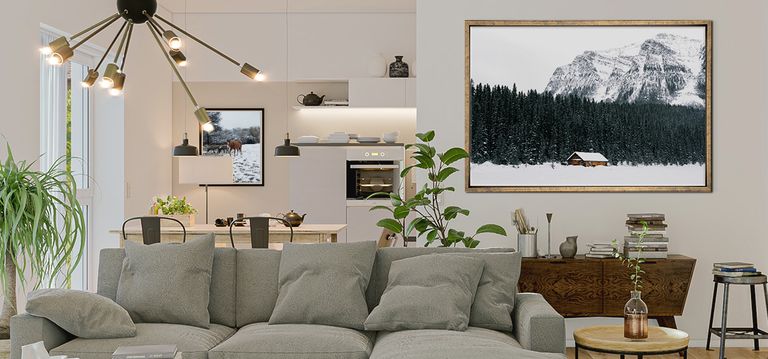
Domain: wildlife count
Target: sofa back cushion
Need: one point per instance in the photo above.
(257, 275)
(385, 257)
(221, 306)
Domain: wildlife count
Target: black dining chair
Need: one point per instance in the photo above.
(150, 228)
(259, 230)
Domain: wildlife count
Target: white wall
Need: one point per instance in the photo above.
(725, 225)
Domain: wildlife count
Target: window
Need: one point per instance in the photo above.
(65, 109)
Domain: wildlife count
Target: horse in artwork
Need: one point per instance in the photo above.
(235, 147)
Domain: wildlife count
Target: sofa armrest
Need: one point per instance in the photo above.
(537, 325)
(28, 329)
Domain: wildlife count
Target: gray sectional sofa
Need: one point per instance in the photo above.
(243, 293)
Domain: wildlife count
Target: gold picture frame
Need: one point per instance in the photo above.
(707, 185)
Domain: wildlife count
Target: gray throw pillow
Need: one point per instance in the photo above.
(495, 296)
(427, 292)
(167, 282)
(82, 314)
(324, 284)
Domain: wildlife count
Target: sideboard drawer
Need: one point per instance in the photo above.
(572, 287)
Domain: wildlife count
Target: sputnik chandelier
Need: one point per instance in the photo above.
(134, 12)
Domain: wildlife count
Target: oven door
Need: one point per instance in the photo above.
(372, 178)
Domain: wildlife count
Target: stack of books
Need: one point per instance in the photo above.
(600, 250)
(146, 352)
(651, 242)
(735, 269)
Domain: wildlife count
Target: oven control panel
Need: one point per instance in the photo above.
(376, 154)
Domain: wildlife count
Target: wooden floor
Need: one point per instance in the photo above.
(693, 353)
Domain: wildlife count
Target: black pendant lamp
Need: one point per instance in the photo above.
(287, 149)
(185, 149)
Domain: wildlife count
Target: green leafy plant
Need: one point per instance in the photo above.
(634, 265)
(172, 205)
(42, 228)
(433, 219)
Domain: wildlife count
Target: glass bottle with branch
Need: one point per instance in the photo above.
(635, 310)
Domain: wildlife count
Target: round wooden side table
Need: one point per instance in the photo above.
(610, 339)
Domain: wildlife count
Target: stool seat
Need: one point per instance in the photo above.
(748, 280)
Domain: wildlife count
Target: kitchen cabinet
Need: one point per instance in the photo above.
(362, 223)
(316, 185)
(382, 92)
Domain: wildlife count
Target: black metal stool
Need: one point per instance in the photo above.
(725, 332)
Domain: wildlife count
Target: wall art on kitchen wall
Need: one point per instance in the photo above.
(239, 133)
(589, 106)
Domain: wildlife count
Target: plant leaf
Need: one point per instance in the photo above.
(445, 173)
(492, 228)
(390, 224)
(426, 136)
(401, 212)
(453, 155)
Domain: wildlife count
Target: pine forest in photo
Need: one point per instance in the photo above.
(588, 106)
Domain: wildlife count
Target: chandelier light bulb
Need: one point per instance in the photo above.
(55, 60)
(208, 127)
(90, 78)
(115, 92)
(178, 57)
(174, 42)
(46, 50)
(119, 82)
(260, 77)
(54, 45)
(106, 83)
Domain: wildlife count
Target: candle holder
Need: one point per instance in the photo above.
(549, 237)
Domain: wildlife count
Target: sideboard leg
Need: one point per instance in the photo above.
(576, 349)
(668, 322)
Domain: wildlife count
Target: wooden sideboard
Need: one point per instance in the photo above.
(584, 287)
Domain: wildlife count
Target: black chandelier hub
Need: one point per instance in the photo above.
(134, 9)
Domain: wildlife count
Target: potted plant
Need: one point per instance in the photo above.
(433, 218)
(42, 229)
(174, 207)
(635, 311)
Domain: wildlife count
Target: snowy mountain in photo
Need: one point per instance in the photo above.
(664, 69)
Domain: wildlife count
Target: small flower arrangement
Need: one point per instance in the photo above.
(172, 205)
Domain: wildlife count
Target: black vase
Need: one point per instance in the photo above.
(398, 68)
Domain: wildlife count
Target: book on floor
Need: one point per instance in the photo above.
(145, 352)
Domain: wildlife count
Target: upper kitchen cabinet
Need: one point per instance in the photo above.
(382, 92)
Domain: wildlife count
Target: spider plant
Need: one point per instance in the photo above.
(42, 229)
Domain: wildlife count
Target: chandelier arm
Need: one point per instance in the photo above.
(155, 27)
(201, 42)
(94, 26)
(122, 43)
(158, 27)
(173, 66)
(106, 25)
(127, 44)
(111, 44)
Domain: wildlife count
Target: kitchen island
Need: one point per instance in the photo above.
(306, 233)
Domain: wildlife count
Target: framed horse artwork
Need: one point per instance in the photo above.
(238, 133)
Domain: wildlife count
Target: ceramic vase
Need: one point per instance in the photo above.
(398, 68)
(635, 317)
(569, 248)
(377, 66)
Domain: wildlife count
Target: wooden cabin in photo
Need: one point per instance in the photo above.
(587, 159)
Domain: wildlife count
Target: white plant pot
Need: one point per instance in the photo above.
(377, 66)
(185, 219)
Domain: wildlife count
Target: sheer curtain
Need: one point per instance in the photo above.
(53, 107)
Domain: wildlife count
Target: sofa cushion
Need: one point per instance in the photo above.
(495, 296)
(265, 341)
(167, 282)
(385, 257)
(449, 344)
(257, 271)
(221, 306)
(83, 314)
(194, 342)
(428, 292)
(324, 284)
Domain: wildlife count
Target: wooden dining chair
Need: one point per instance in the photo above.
(150, 228)
(259, 230)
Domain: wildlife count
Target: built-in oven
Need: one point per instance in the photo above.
(373, 172)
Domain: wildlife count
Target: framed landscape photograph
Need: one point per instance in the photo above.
(588, 106)
(239, 133)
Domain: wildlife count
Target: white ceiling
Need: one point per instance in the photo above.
(279, 6)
